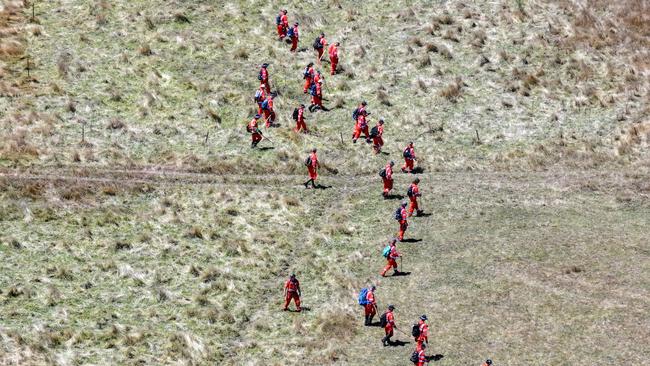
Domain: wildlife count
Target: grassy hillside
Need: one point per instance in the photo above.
(162, 238)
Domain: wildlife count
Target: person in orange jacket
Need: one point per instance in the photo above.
(312, 167)
(300, 121)
(370, 308)
(269, 112)
(487, 362)
(260, 97)
(283, 24)
(421, 356)
(318, 77)
(409, 158)
(387, 178)
(316, 92)
(401, 215)
(295, 37)
(308, 75)
(253, 129)
(292, 291)
(376, 133)
(334, 57)
(263, 77)
(423, 337)
(319, 45)
(390, 325)
(393, 254)
(413, 193)
(359, 127)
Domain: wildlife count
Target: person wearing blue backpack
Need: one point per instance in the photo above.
(282, 23)
(294, 35)
(391, 254)
(367, 300)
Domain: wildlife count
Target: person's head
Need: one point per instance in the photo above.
(284, 11)
(393, 242)
(296, 24)
(320, 81)
(363, 103)
(416, 180)
(381, 121)
(313, 150)
(391, 307)
(293, 276)
(423, 317)
(392, 163)
(488, 361)
(302, 106)
(265, 65)
(411, 144)
(310, 64)
(373, 288)
(257, 116)
(338, 44)
(404, 203)
(322, 35)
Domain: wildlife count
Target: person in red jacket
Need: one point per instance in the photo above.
(409, 158)
(387, 178)
(361, 126)
(264, 77)
(376, 133)
(319, 45)
(308, 75)
(292, 291)
(256, 134)
(421, 356)
(361, 109)
(393, 254)
(413, 193)
(269, 113)
(295, 37)
(283, 24)
(423, 337)
(370, 309)
(390, 326)
(300, 122)
(487, 362)
(312, 167)
(317, 96)
(260, 97)
(403, 223)
(334, 57)
(318, 77)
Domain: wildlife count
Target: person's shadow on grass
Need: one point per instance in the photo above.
(320, 186)
(398, 343)
(411, 240)
(394, 197)
(400, 273)
(437, 357)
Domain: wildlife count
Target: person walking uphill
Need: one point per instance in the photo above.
(391, 254)
(269, 112)
(421, 333)
(308, 74)
(376, 134)
(260, 97)
(387, 320)
(369, 304)
(256, 134)
(386, 175)
(319, 45)
(409, 158)
(312, 167)
(401, 215)
(283, 24)
(299, 117)
(294, 35)
(263, 77)
(419, 357)
(333, 52)
(413, 193)
(292, 291)
(316, 92)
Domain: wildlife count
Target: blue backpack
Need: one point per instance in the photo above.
(278, 20)
(290, 32)
(398, 213)
(355, 114)
(362, 297)
(258, 96)
(386, 251)
(265, 104)
(312, 89)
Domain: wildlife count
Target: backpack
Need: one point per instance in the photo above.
(317, 44)
(415, 331)
(386, 251)
(382, 173)
(362, 297)
(258, 95)
(306, 73)
(382, 320)
(290, 32)
(374, 132)
(259, 76)
(295, 114)
(249, 129)
(398, 213)
(409, 192)
(312, 90)
(278, 20)
(265, 104)
(407, 153)
(355, 114)
(308, 161)
(415, 358)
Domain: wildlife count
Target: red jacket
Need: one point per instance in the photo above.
(295, 31)
(264, 73)
(252, 126)
(370, 297)
(390, 319)
(405, 215)
(389, 172)
(394, 254)
(319, 91)
(415, 191)
(333, 51)
(284, 20)
(301, 112)
(411, 151)
(424, 331)
(292, 286)
(314, 160)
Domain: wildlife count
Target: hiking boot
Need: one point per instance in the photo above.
(396, 273)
